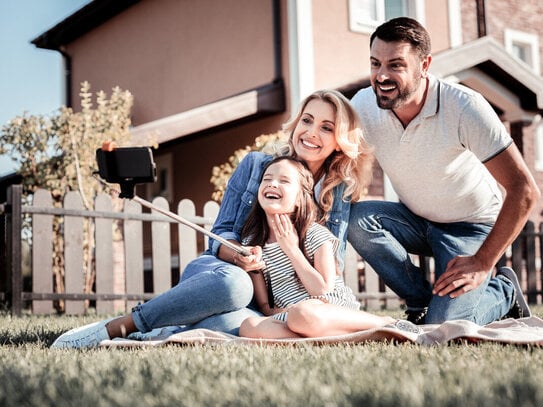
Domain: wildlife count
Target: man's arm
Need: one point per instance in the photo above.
(521, 195)
(464, 273)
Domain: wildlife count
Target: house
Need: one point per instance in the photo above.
(209, 76)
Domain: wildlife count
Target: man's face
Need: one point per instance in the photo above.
(396, 73)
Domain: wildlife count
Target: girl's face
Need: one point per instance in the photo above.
(314, 135)
(280, 187)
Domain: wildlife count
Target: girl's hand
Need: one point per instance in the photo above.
(253, 262)
(284, 231)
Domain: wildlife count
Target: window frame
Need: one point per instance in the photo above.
(526, 40)
(359, 22)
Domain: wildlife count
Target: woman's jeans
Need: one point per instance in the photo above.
(383, 233)
(212, 294)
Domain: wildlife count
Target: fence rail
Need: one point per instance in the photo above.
(124, 270)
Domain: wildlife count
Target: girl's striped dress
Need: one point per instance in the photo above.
(286, 286)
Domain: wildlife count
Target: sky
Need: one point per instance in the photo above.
(31, 79)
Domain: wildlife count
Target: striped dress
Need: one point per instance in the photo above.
(286, 286)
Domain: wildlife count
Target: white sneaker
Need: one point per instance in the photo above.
(87, 336)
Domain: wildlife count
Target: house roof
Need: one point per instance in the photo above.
(81, 22)
(485, 65)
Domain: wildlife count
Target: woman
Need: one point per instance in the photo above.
(215, 290)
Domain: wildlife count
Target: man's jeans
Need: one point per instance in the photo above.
(212, 294)
(383, 233)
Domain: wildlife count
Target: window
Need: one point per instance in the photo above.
(524, 47)
(164, 183)
(366, 15)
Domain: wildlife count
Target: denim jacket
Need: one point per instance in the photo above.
(242, 192)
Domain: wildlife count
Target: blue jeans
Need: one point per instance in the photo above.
(212, 294)
(383, 233)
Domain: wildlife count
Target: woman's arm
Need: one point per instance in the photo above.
(238, 199)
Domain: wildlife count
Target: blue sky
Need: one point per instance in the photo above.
(31, 79)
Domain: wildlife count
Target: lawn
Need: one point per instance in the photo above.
(370, 374)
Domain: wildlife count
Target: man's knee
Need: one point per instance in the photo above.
(442, 309)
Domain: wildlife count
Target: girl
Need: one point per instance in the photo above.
(215, 289)
(300, 276)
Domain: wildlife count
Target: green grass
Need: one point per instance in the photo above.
(370, 374)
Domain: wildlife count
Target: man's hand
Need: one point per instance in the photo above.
(463, 274)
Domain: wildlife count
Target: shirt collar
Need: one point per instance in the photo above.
(432, 102)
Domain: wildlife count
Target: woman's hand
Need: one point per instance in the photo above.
(252, 262)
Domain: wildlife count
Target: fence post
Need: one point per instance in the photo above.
(531, 275)
(162, 254)
(14, 269)
(4, 283)
(104, 254)
(188, 248)
(42, 251)
(74, 271)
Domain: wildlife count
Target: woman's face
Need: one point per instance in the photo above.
(280, 188)
(314, 135)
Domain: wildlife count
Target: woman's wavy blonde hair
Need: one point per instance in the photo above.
(352, 165)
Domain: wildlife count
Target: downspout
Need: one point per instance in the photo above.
(481, 18)
(455, 23)
(301, 58)
(278, 59)
(67, 62)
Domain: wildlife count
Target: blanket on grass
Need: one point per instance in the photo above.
(524, 331)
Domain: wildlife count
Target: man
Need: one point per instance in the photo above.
(465, 191)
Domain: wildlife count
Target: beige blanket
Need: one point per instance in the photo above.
(525, 331)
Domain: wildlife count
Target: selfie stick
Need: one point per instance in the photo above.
(130, 166)
(238, 249)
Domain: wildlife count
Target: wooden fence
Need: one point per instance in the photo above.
(116, 291)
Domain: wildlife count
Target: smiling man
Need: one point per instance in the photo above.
(446, 153)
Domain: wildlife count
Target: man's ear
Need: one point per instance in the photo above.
(426, 65)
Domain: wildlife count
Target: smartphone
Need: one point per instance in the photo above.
(126, 165)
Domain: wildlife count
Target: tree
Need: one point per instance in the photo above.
(57, 153)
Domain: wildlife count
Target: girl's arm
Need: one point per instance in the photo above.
(261, 294)
(318, 279)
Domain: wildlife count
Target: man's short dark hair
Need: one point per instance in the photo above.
(407, 30)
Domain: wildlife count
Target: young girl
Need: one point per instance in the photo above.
(300, 278)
